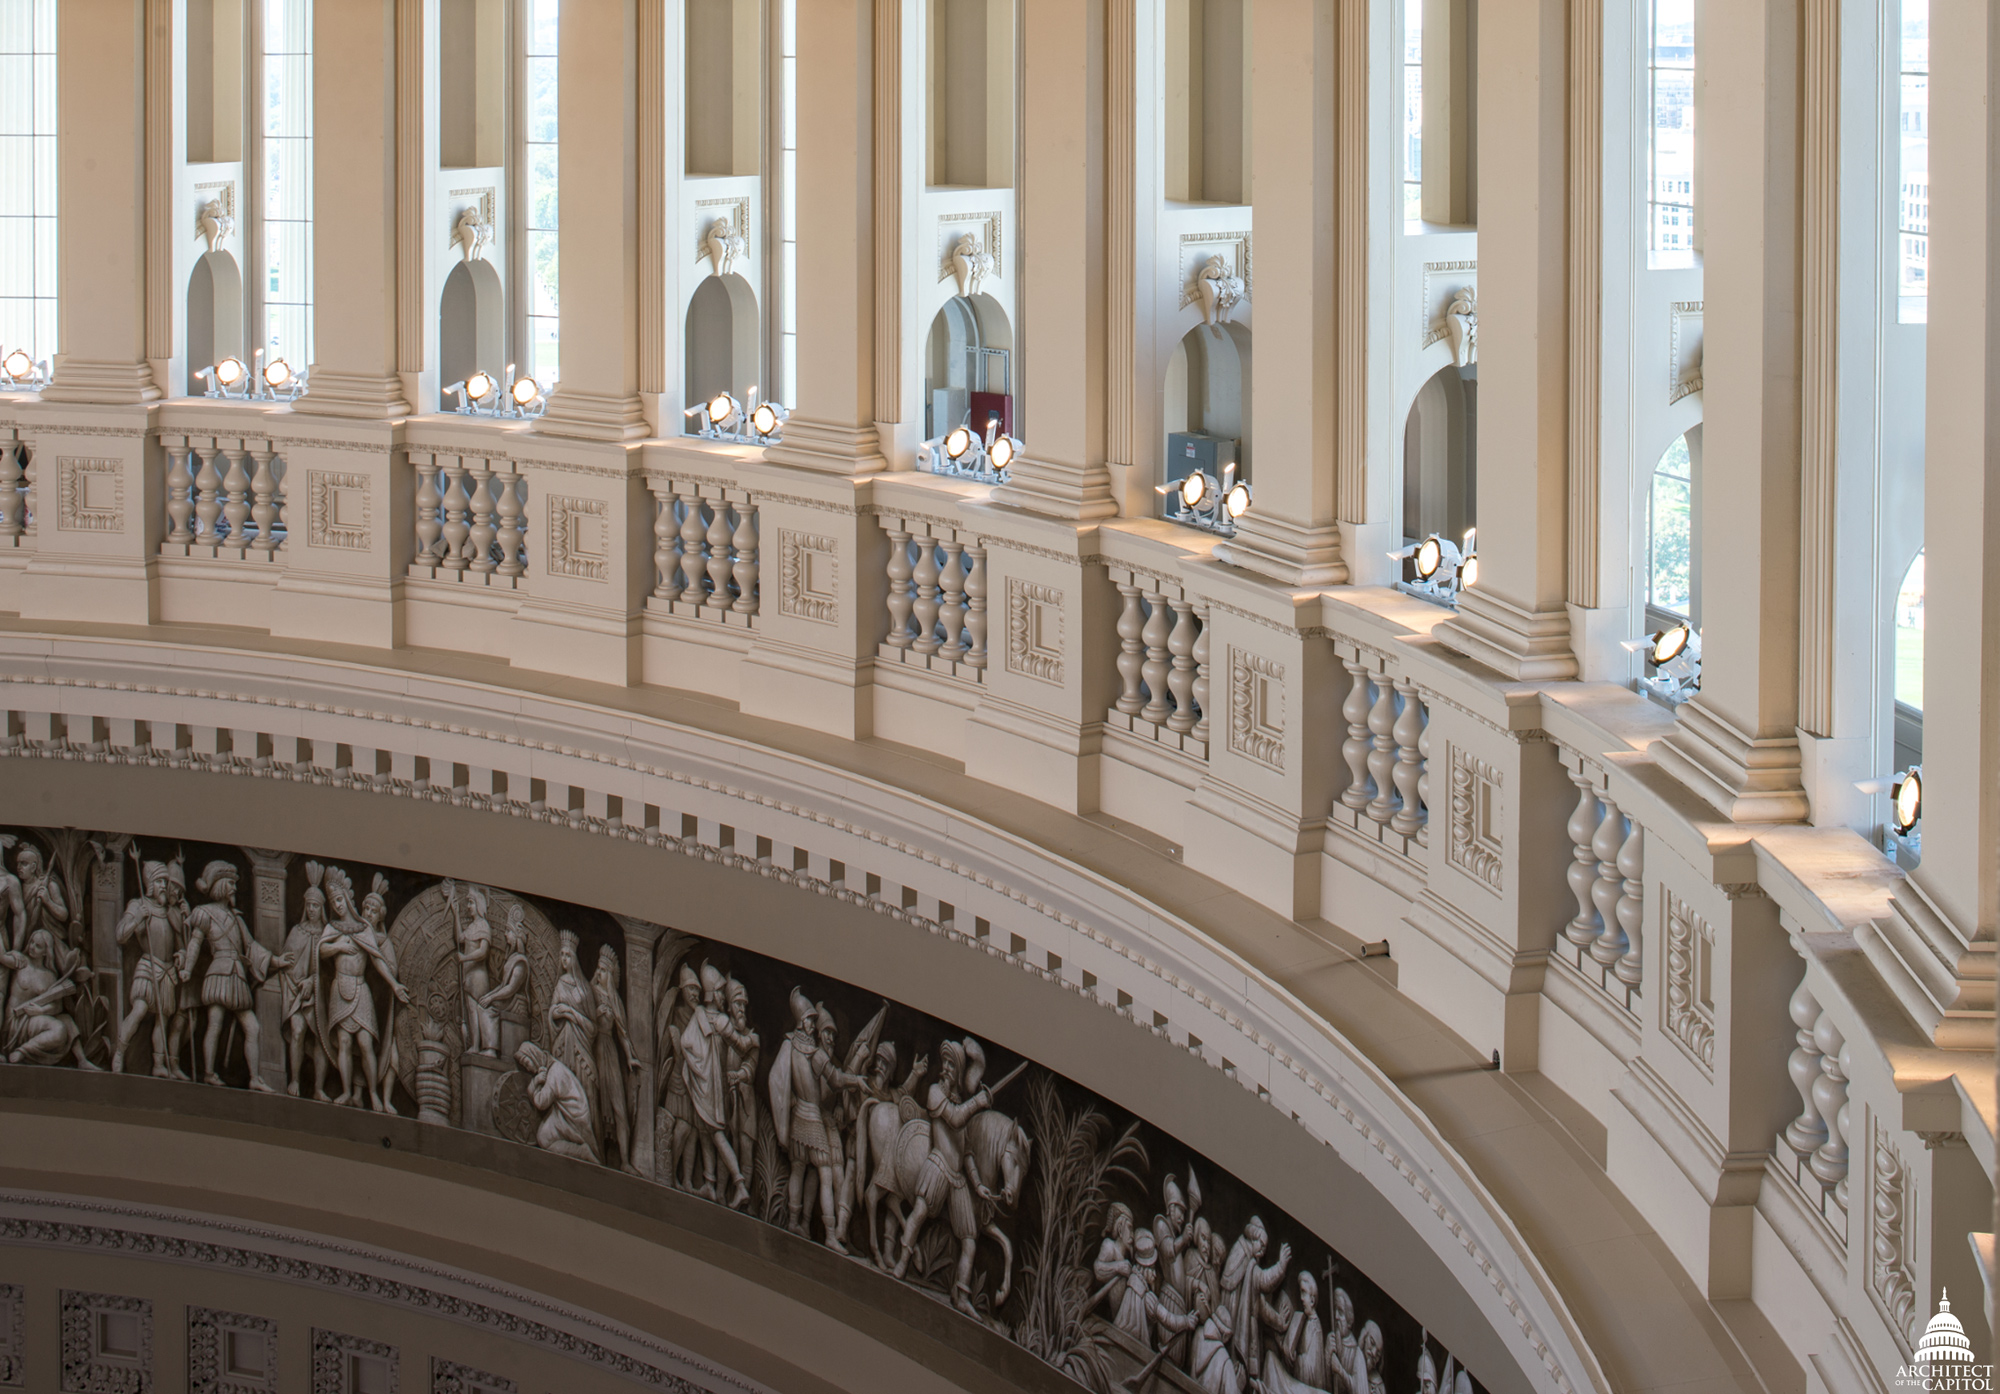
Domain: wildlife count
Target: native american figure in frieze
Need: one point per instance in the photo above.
(357, 965)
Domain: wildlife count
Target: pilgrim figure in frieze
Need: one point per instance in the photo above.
(298, 987)
(150, 936)
(355, 960)
(704, 1045)
(231, 963)
(617, 1064)
(563, 1125)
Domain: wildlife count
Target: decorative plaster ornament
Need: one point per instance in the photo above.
(472, 234)
(724, 244)
(1461, 326)
(971, 264)
(1217, 290)
(213, 223)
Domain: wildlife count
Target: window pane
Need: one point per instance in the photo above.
(1913, 195)
(28, 177)
(1670, 531)
(541, 206)
(1671, 133)
(1910, 637)
(1413, 110)
(288, 172)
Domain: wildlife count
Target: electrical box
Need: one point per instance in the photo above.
(1188, 451)
(991, 404)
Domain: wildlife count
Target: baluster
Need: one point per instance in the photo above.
(1382, 755)
(720, 568)
(1424, 780)
(456, 505)
(951, 611)
(744, 544)
(236, 499)
(1841, 1120)
(1583, 866)
(208, 497)
(1201, 678)
(666, 557)
(1354, 750)
(281, 502)
(264, 489)
(975, 607)
(1805, 1133)
(429, 502)
(513, 520)
(1829, 1162)
(180, 494)
(694, 564)
(1630, 964)
(925, 577)
(479, 539)
(1408, 728)
(1158, 662)
(29, 468)
(1604, 892)
(1131, 660)
(899, 588)
(1180, 682)
(1613, 942)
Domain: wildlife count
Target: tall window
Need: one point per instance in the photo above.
(1413, 111)
(1910, 637)
(28, 176)
(1670, 534)
(288, 201)
(543, 356)
(787, 387)
(1670, 147)
(1913, 197)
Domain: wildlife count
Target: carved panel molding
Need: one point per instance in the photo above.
(1442, 281)
(339, 509)
(13, 1336)
(351, 1365)
(1257, 708)
(1034, 630)
(808, 577)
(1688, 1014)
(450, 1377)
(107, 1344)
(579, 537)
(231, 1353)
(1892, 1281)
(1476, 846)
(90, 495)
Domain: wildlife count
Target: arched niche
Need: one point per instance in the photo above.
(214, 312)
(1670, 552)
(968, 365)
(1440, 478)
(471, 322)
(1207, 398)
(721, 338)
(1906, 626)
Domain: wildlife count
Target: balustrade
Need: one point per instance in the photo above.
(17, 484)
(1817, 1139)
(937, 598)
(472, 519)
(1606, 877)
(226, 498)
(1387, 754)
(1162, 663)
(705, 552)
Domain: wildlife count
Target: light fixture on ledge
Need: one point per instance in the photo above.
(962, 453)
(275, 381)
(722, 417)
(1443, 568)
(482, 395)
(1906, 812)
(19, 371)
(1199, 500)
(227, 378)
(1673, 662)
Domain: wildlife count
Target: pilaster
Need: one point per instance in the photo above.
(1064, 303)
(1736, 744)
(1515, 621)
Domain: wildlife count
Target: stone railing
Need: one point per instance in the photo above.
(471, 522)
(1162, 663)
(225, 497)
(17, 489)
(1605, 941)
(936, 599)
(1387, 757)
(705, 552)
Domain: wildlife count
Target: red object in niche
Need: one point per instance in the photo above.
(986, 405)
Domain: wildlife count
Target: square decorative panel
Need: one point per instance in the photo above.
(13, 1336)
(737, 210)
(350, 1365)
(1442, 281)
(1198, 247)
(450, 1377)
(985, 226)
(1257, 708)
(90, 495)
(229, 1353)
(1034, 630)
(338, 510)
(808, 576)
(1684, 350)
(107, 1344)
(1690, 1006)
(579, 537)
(1476, 844)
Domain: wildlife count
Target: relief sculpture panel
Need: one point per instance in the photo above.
(1095, 1241)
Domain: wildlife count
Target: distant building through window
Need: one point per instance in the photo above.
(543, 359)
(28, 177)
(1913, 197)
(1670, 146)
(288, 178)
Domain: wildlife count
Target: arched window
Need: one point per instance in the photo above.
(1672, 535)
(1913, 194)
(287, 102)
(968, 366)
(1208, 404)
(1671, 134)
(1439, 439)
(542, 355)
(28, 177)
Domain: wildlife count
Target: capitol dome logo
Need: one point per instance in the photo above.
(1943, 1362)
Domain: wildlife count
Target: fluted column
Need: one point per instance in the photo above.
(833, 421)
(1291, 534)
(1940, 938)
(1736, 744)
(597, 113)
(355, 271)
(1515, 620)
(1062, 228)
(101, 166)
